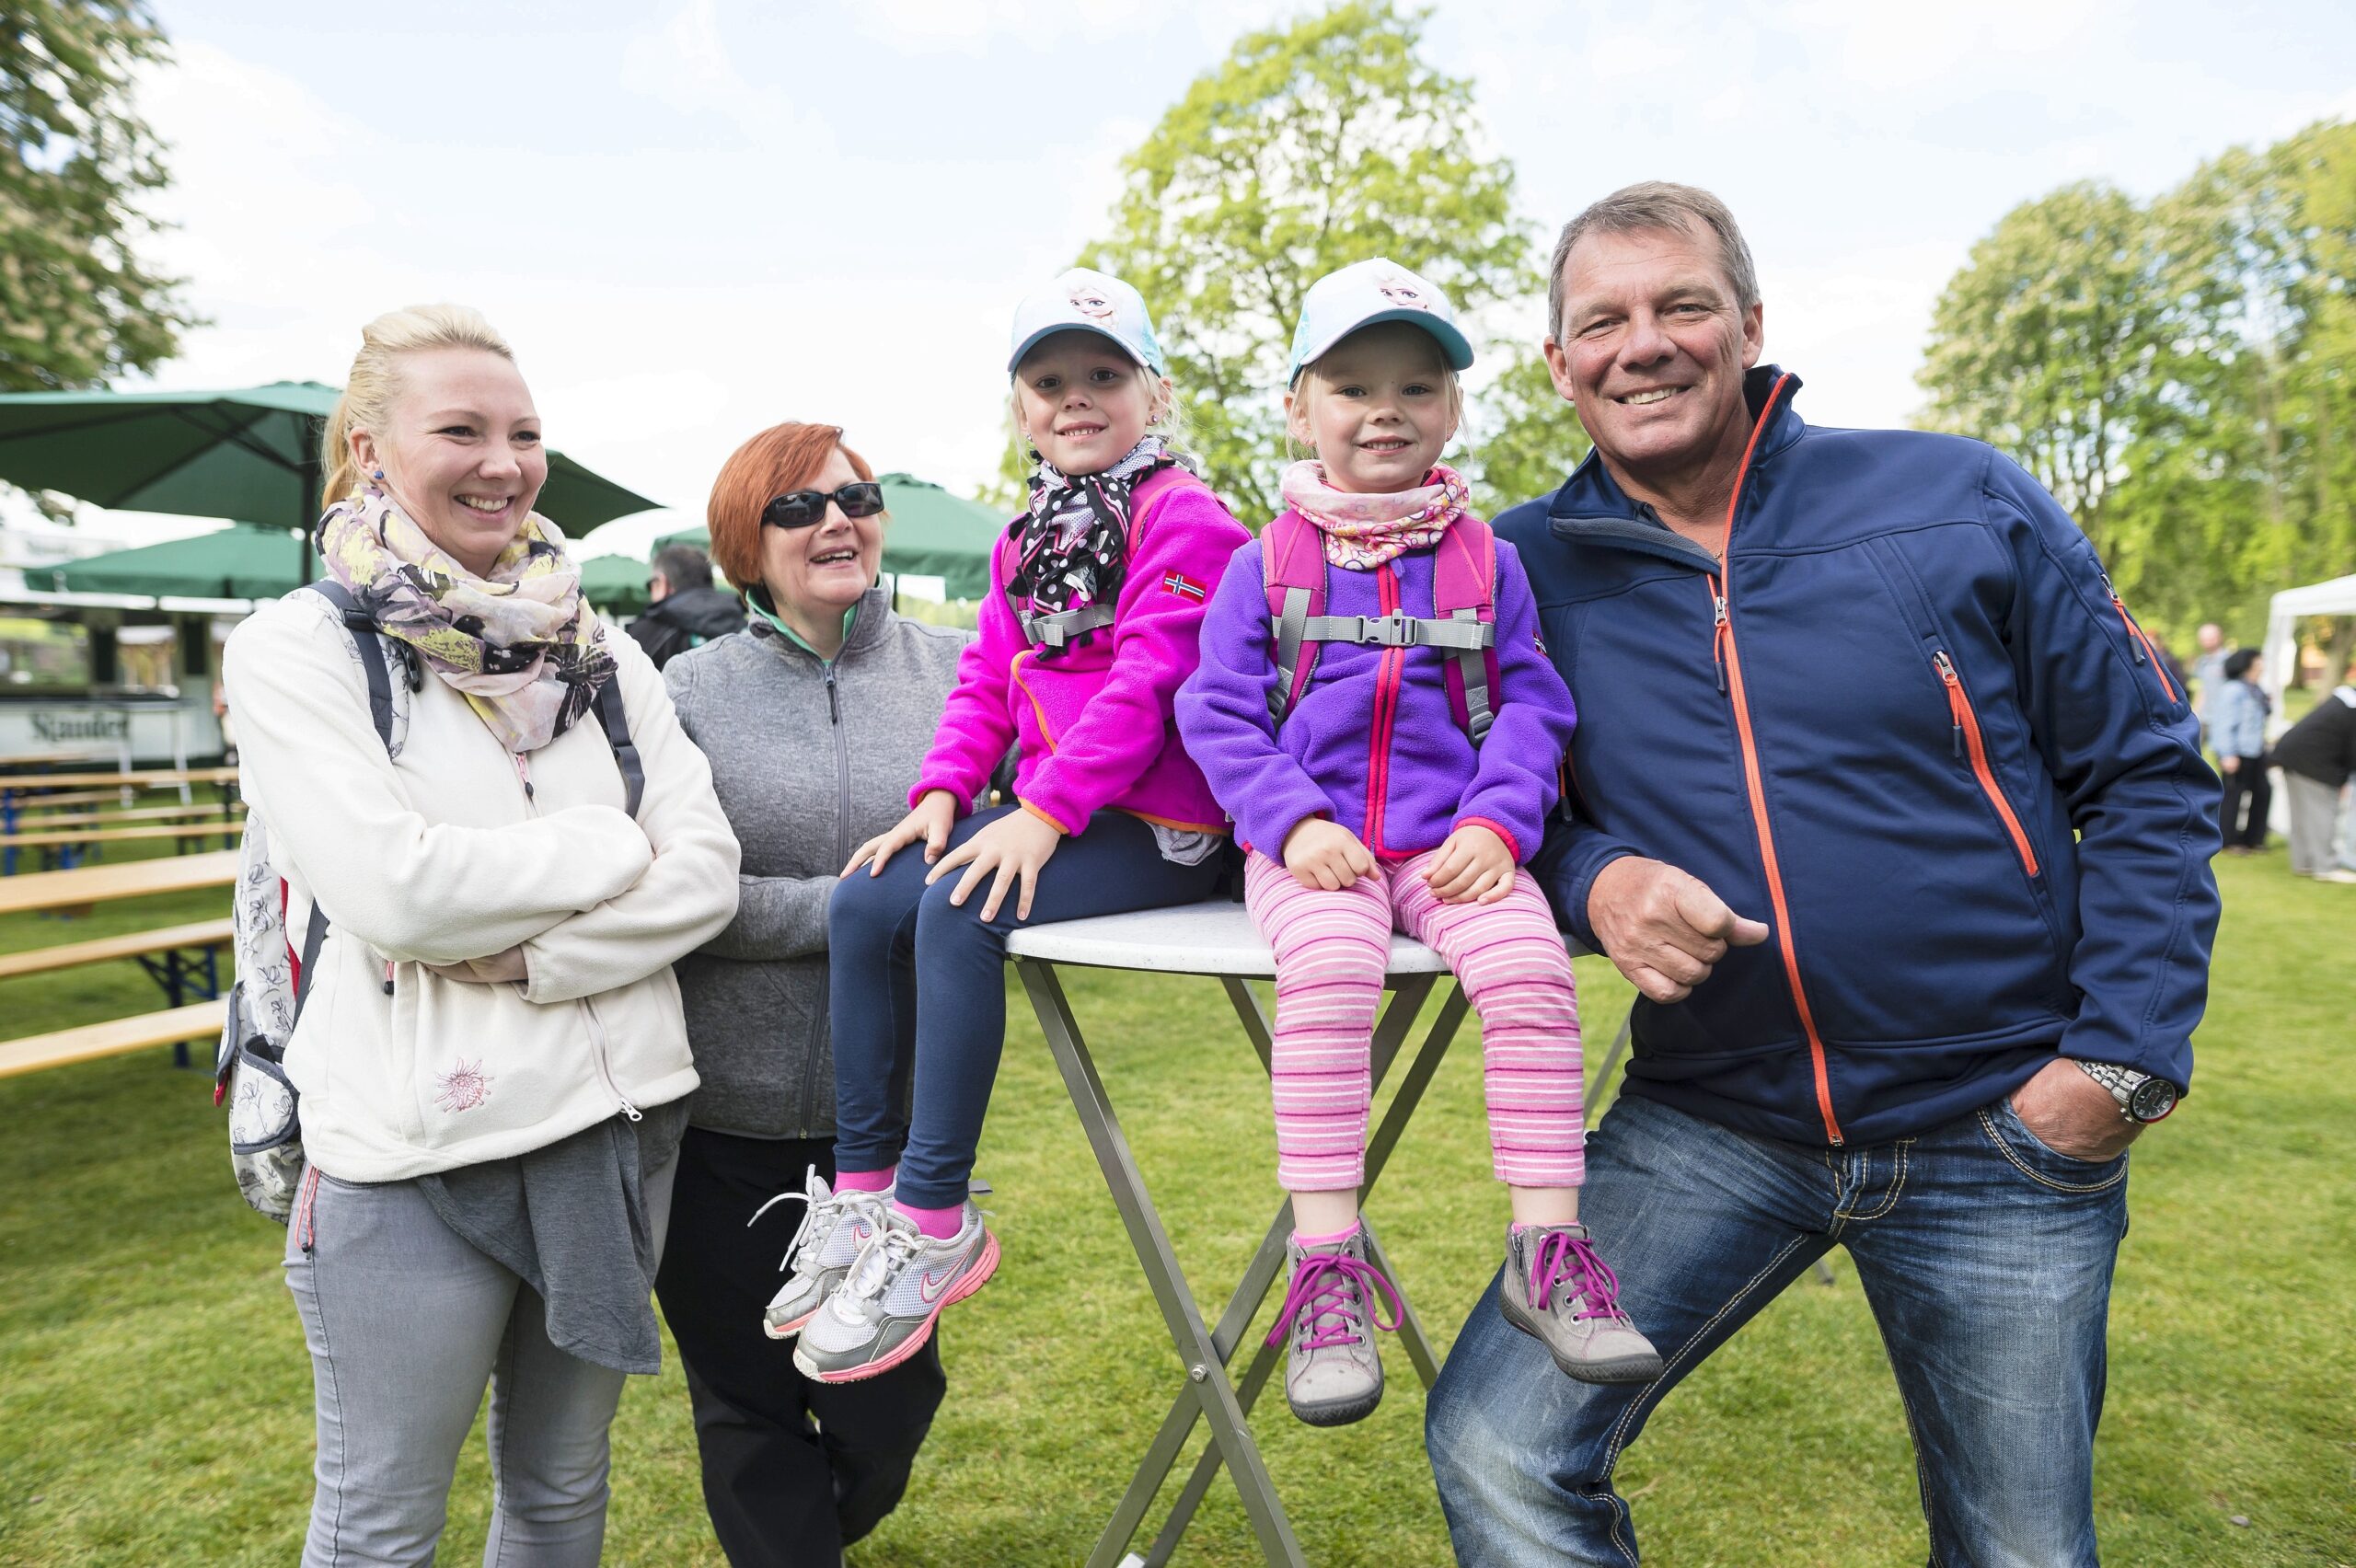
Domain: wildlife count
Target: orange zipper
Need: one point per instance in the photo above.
(2150, 652)
(1729, 660)
(1966, 732)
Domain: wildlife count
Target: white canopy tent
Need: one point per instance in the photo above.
(2336, 597)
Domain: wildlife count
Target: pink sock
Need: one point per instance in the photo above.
(940, 1224)
(1334, 1240)
(866, 1180)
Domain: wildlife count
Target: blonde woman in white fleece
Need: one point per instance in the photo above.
(490, 1058)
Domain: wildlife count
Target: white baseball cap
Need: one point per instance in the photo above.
(1087, 301)
(1365, 292)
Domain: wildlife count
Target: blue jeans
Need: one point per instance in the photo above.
(917, 985)
(1986, 1258)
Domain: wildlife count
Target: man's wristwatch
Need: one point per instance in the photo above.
(2142, 1098)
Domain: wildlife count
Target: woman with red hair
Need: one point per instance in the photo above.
(815, 719)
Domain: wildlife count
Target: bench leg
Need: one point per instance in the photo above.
(1207, 1373)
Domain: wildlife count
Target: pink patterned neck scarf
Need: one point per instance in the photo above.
(1361, 532)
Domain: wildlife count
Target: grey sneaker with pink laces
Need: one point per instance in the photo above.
(1557, 1291)
(1333, 1375)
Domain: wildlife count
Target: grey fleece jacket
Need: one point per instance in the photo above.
(809, 760)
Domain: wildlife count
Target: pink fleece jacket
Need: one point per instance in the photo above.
(1095, 721)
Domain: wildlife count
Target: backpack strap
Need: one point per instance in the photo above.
(1292, 567)
(1464, 626)
(1464, 590)
(372, 653)
(608, 704)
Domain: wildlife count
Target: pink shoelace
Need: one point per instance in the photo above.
(1561, 1258)
(1323, 1289)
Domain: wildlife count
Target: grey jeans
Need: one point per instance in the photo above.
(2315, 817)
(405, 1323)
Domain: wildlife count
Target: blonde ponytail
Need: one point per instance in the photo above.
(369, 391)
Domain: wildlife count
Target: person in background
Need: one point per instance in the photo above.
(688, 611)
(816, 721)
(2237, 730)
(2318, 756)
(2208, 670)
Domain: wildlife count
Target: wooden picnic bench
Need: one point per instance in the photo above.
(45, 837)
(49, 820)
(26, 792)
(103, 884)
(179, 958)
(175, 1026)
(144, 778)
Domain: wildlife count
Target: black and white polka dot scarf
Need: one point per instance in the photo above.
(1071, 546)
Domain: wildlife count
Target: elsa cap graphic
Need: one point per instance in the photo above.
(1086, 301)
(1366, 292)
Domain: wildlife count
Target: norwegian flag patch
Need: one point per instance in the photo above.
(1185, 587)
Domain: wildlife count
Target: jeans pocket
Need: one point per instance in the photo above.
(2047, 1166)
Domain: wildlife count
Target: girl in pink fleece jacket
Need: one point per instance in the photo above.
(1097, 594)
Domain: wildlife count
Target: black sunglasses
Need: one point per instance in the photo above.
(799, 509)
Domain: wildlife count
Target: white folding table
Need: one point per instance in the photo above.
(1219, 939)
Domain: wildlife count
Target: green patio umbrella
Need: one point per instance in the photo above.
(250, 454)
(933, 533)
(615, 583)
(241, 561)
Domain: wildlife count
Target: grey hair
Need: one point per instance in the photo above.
(1656, 204)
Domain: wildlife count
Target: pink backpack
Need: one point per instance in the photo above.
(1464, 593)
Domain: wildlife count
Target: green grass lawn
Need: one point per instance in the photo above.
(155, 1397)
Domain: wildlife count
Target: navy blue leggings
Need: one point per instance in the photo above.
(918, 985)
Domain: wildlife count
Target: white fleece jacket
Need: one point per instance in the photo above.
(443, 853)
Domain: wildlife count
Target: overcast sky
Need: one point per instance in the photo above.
(696, 218)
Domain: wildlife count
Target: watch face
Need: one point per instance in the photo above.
(2153, 1098)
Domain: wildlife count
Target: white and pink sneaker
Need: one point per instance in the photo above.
(883, 1309)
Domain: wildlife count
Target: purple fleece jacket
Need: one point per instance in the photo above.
(1093, 719)
(1372, 744)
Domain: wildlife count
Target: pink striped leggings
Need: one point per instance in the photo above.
(1331, 949)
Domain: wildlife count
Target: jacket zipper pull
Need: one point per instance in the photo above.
(2134, 635)
(524, 772)
(388, 977)
(1955, 691)
(1718, 641)
(833, 708)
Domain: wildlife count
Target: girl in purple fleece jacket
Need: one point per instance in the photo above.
(1097, 594)
(1368, 805)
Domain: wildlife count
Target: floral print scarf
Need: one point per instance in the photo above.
(1361, 532)
(520, 644)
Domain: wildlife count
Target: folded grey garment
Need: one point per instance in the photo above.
(571, 1220)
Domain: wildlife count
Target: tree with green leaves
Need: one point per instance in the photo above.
(77, 304)
(1312, 145)
(2044, 345)
(1523, 438)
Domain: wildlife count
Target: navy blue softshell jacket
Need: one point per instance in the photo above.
(1911, 729)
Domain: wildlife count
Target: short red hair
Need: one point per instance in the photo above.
(781, 458)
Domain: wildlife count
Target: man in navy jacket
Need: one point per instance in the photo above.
(1882, 800)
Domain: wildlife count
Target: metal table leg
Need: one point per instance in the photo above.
(1209, 1392)
(1206, 1374)
(1389, 1036)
